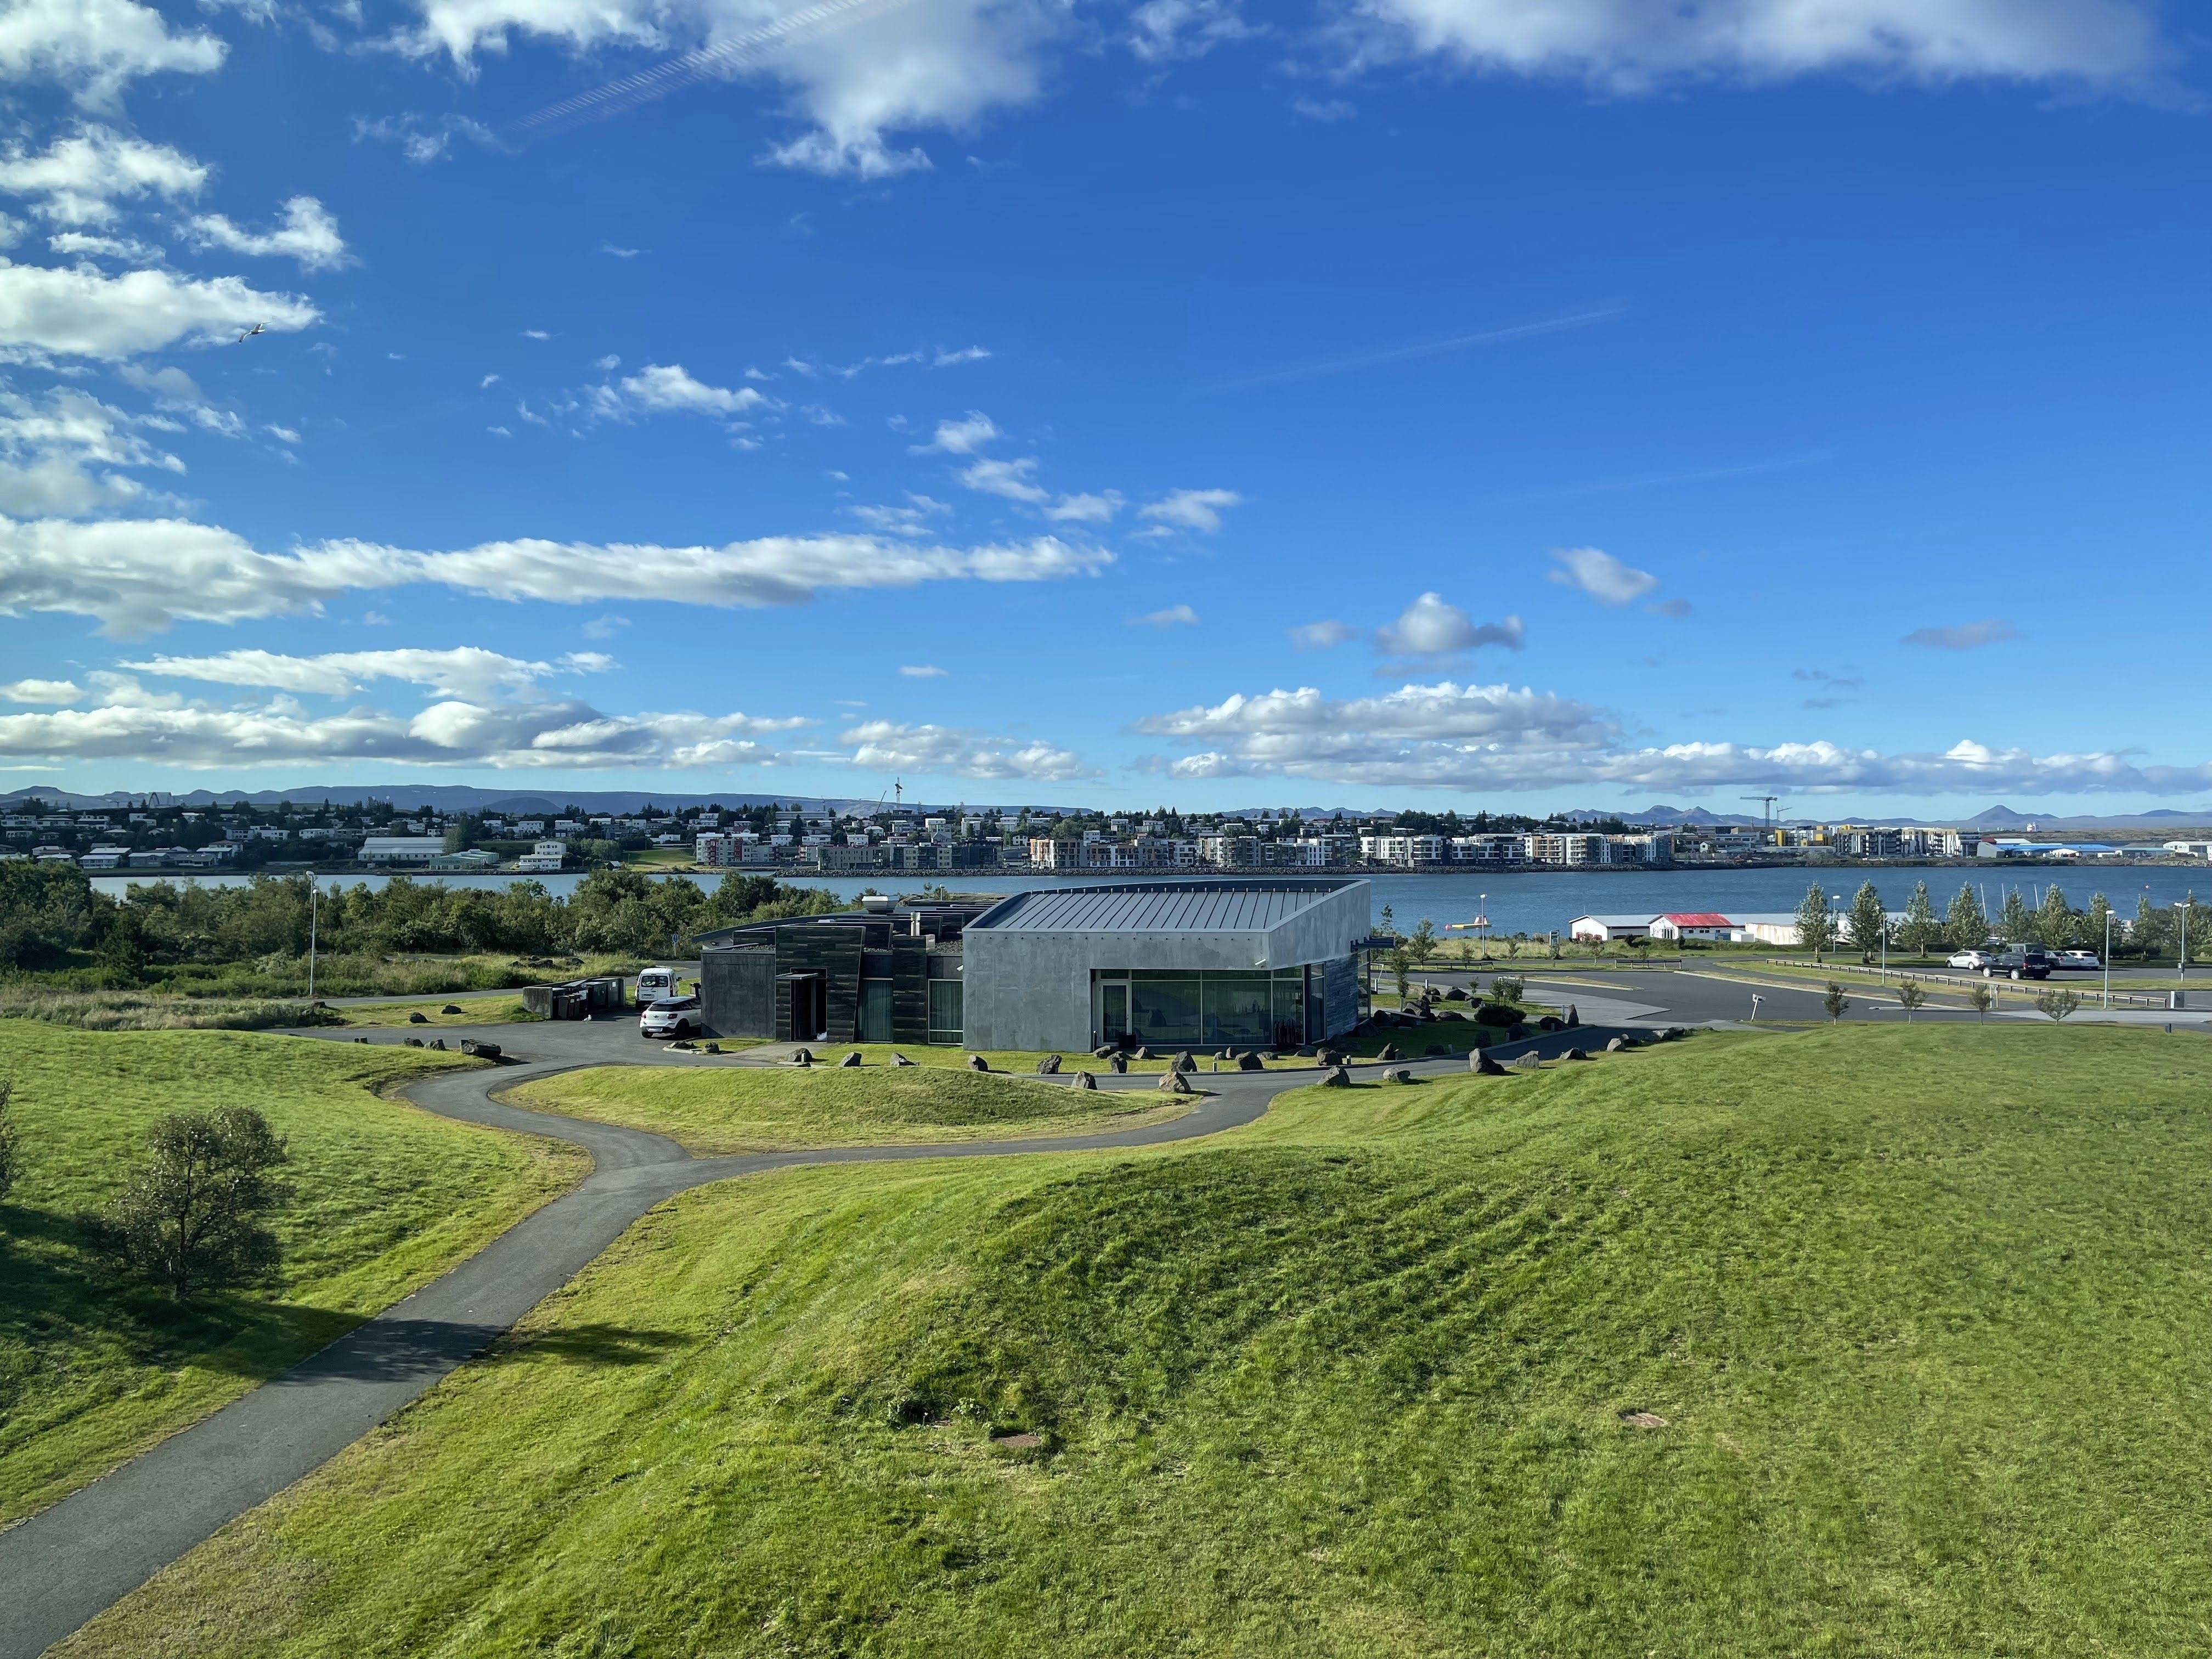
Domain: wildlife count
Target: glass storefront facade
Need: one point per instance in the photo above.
(1207, 1008)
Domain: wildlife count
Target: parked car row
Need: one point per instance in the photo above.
(2024, 961)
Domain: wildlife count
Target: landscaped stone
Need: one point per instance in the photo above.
(1084, 1080)
(1048, 1066)
(1184, 1062)
(852, 1058)
(1175, 1083)
(1484, 1066)
(1389, 1052)
(901, 1059)
(1338, 1077)
(1574, 1053)
(1119, 1062)
(1250, 1062)
(451, 1008)
(1397, 1074)
(803, 1057)
(977, 1063)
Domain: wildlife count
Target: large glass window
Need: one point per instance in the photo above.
(1237, 1010)
(1211, 1010)
(944, 1010)
(1164, 1008)
(875, 1011)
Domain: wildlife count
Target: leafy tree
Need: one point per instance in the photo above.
(192, 1219)
(11, 1152)
(1835, 999)
(2014, 922)
(2056, 921)
(1816, 927)
(2094, 929)
(2194, 929)
(1911, 997)
(1966, 926)
(1919, 932)
(46, 911)
(1389, 925)
(1423, 943)
(1981, 1000)
(2147, 934)
(1869, 921)
(2056, 1003)
(1399, 959)
(1506, 990)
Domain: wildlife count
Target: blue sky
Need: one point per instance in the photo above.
(1418, 402)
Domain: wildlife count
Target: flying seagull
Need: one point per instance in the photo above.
(251, 332)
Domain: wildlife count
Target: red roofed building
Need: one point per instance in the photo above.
(1695, 924)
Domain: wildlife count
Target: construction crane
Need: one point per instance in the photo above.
(1766, 814)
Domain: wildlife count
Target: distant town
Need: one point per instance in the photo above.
(154, 833)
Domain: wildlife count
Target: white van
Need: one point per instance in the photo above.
(653, 984)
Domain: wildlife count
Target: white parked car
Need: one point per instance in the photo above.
(2082, 961)
(672, 1017)
(1976, 960)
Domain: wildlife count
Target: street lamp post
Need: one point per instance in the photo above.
(2108, 960)
(314, 907)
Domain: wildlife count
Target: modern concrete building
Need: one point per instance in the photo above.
(1241, 963)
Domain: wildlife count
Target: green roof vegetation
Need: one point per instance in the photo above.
(1857, 1340)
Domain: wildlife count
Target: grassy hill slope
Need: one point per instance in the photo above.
(92, 1369)
(1865, 1340)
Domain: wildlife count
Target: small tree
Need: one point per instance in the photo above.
(2095, 930)
(1981, 1000)
(1399, 959)
(1836, 1000)
(1389, 925)
(1919, 932)
(2148, 932)
(192, 1219)
(1967, 925)
(1910, 996)
(1816, 927)
(1423, 943)
(11, 1156)
(2013, 920)
(1506, 990)
(1869, 921)
(2055, 922)
(2056, 1003)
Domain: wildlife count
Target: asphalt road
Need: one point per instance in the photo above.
(69, 1561)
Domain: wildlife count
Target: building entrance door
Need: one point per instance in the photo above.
(1113, 1011)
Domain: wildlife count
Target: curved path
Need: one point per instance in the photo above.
(72, 1561)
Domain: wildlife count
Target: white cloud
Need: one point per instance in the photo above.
(1011, 479)
(1085, 509)
(1166, 29)
(1431, 627)
(463, 671)
(77, 179)
(177, 392)
(605, 627)
(668, 388)
(946, 751)
(1322, 636)
(922, 670)
(961, 437)
(83, 312)
(84, 244)
(532, 735)
(1175, 616)
(1967, 637)
(139, 575)
(1498, 738)
(93, 48)
(945, 359)
(1629, 47)
(488, 382)
(42, 691)
(1601, 575)
(1192, 509)
(620, 253)
(58, 449)
(306, 233)
(911, 520)
(536, 334)
(423, 139)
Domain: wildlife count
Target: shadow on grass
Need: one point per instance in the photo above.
(600, 1345)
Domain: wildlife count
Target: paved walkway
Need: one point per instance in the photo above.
(72, 1561)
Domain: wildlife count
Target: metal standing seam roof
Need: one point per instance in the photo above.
(1165, 908)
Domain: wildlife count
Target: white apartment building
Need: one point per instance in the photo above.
(401, 849)
(545, 857)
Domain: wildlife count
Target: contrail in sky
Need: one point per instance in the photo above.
(720, 59)
(1431, 349)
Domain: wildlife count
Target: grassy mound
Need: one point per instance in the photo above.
(1866, 1340)
(92, 1371)
(752, 1110)
(144, 1011)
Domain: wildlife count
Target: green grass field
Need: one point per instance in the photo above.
(495, 1010)
(389, 1197)
(1919, 1319)
(758, 1110)
(1455, 1035)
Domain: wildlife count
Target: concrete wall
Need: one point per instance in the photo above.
(1031, 990)
(737, 993)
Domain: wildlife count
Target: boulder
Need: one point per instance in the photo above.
(414, 1043)
(1551, 1023)
(684, 1043)
(1457, 993)
(1250, 1062)
(1084, 1080)
(1048, 1066)
(803, 1057)
(1333, 1057)
(451, 1008)
(1436, 1048)
(1574, 1015)
(1517, 1033)
(482, 1050)
(1484, 1066)
(1389, 1052)
(1619, 1044)
(714, 1048)
(977, 1063)
(1143, 1053)
(852, 1058)
(1119, 1062)
(1574, 1053)
(1307, 1051)
(361, 1039)
(1103, 1051)
(1183, 1063)
(900, 1060)
(1338, 1077)
(1176, 1083)
(439, 1044)
(419, 1017)
(1397, 1074)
